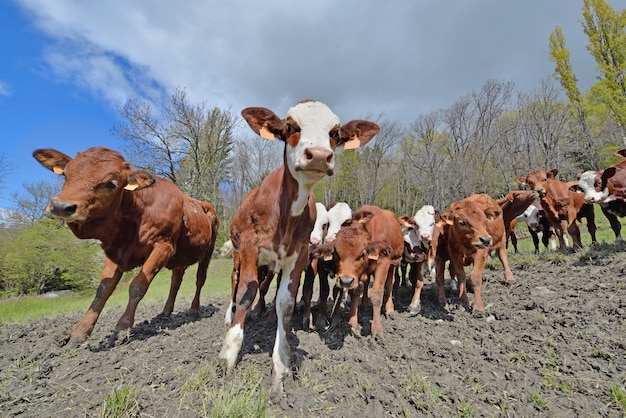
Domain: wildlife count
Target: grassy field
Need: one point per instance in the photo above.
(25, 308)
(218, 282)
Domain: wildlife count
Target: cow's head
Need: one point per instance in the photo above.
(414, 249)
(321, 225)
(354, 252)
(95, 181)
(311, 132)
(533, 215)
(537, 180)
(338, 213)
(425, 220)
(468, 220)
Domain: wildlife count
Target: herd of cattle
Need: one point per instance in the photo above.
(279, 229)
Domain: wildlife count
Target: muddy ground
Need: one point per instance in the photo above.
(552, 344)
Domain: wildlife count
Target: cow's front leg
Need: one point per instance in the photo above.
(293, 266)
(109, 279)
(376, 296)
(247, 288)
(476, 278)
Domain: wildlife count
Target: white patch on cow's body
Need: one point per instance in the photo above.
(284, 307)
(266, 256)
(230, 313)
(337, 215)
(231, 346)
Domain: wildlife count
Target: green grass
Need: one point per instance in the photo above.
(122, 402)
(217, 286)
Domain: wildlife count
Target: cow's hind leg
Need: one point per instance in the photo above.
(139, 286)
(177, 278)
(201, 274)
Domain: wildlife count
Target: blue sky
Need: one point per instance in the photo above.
(68, 64)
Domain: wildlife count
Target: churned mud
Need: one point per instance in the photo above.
(551, 344)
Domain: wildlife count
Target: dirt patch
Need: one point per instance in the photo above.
(552, 344)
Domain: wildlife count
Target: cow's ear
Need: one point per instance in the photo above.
(573, 186)
(552, 173)
(362, 216)
(621, 153)
(357, 133)
(264, 122)
(376, 250)
(139, 180)
(447, 217)
(521, 181)
(52, 159)
(493, 212)
(607, 174)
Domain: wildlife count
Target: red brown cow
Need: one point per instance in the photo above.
(139, 219)
(471, 228)
(370, 244)
(513, 205)
(562, 206)
(278, 221)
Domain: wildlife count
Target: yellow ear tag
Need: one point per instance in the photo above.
(131, 187)
(373, 257)
(265, 133)
(352, 144)
(328, 257)
(57, 170)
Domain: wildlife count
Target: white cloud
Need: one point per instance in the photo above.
(5, 90)
(401, 58)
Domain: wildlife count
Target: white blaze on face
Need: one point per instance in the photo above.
(531, 216)
(410, 236)
(425, 220)
(587, 183)
(315, 121)
(337, 215)
(321, 222)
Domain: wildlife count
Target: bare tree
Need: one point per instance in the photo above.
(31, 206)
(186, 143)
(545, 123)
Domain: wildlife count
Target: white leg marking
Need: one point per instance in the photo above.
(232, 345)
(284, 308)
(230, 313)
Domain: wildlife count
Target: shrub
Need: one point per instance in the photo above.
(48, 257)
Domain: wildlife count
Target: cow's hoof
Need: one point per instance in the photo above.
(478, 313)
(72, 341)
(415, 307)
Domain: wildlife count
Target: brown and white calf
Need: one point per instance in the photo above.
(563, 207)
(370, 244)
(278, 220)
(471, 227)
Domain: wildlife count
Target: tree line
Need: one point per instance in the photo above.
(479, 144)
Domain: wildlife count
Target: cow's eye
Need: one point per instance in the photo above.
(335, 135)
(111, 185)
(462, 223)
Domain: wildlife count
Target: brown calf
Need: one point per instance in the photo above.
(139, 219)
(471, 228)
(371, 244)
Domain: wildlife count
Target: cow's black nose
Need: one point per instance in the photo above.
(61, 208)
(486, 241)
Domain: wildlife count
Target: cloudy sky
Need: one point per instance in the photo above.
(68, 64)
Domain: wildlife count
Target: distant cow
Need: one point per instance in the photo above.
(536, 222)
(275, 226)
(513, 205)
(470, 228)
(140, 220)
(562, 206)
(414, 257)
(370, 244)
(608, 189)
(321, 264)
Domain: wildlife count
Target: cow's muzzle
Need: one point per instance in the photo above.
(346, 282)
(483, 242)
(318, 159)
(61, 208)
